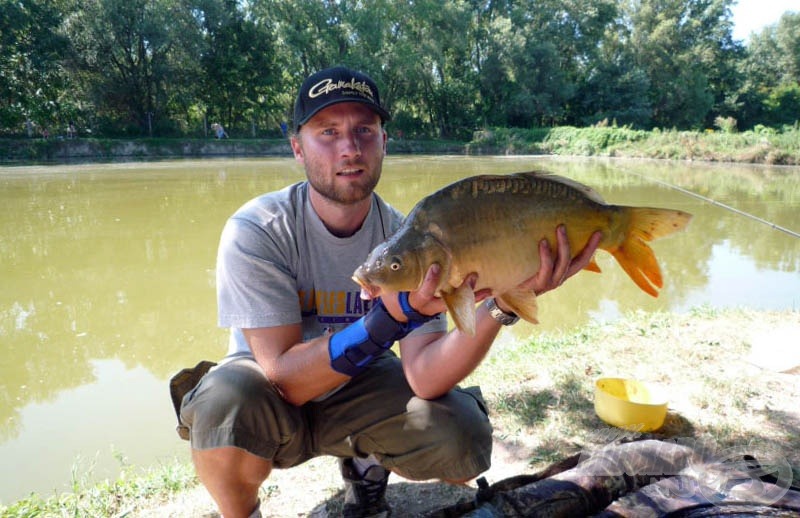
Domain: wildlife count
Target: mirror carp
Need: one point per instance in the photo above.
(492, 224)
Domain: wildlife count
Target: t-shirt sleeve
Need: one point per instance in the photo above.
(256, 284)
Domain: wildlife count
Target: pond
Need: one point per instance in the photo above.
(108, 283)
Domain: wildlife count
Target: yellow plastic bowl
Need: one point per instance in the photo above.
(629, 404)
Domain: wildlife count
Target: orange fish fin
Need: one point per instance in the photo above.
(461, 306)
(639, 262)
(638, 259)
(523, 303)
(593, 267)
(650, 224)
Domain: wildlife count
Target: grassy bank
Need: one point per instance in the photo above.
(540, 391)
(134, 489)
(760, 146)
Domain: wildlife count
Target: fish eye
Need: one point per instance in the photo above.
(396, 264)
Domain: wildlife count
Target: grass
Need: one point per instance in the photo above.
(116, 498)
(761, 145)
(540, 392)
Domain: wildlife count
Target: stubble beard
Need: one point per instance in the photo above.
(349, 194)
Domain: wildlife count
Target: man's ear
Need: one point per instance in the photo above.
(297, 148)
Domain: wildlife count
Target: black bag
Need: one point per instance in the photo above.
(180, 385)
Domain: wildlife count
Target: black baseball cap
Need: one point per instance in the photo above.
(336, 85)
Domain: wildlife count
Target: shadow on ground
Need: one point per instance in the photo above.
(407, 499)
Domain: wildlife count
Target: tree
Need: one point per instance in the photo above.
(129, 56)
(532, 55)
(443, 76)
(238, 65)
(165, 67)
(772, 70)
(33, 84)
(678, 43)
(614, 89)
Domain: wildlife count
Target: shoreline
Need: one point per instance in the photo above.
(769, 147)
(729, 339)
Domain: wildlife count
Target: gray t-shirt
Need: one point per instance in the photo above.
(277, 264)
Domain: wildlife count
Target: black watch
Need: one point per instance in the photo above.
(498, 314)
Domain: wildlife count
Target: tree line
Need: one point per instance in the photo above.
(445, 68)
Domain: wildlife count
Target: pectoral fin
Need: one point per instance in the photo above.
(521, 302)
(461, 306)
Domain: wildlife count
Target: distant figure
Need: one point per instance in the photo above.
(284, 128)
(218, 130)
(71, 131)
(45, 133)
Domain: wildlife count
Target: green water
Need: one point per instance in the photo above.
(107, 283)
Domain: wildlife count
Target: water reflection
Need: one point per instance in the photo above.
(107, 280)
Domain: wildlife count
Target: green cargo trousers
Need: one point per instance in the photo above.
(375, 413)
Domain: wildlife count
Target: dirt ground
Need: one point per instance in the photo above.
(732, 377)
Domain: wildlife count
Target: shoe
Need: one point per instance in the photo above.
(364, 496)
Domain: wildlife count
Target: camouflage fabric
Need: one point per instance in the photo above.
(686, 496)
(638, 479)
(592, 485)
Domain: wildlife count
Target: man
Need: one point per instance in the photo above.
(309, 370)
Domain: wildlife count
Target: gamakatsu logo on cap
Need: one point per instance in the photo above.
(327, 86)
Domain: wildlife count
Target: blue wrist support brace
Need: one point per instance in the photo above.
(355, 346)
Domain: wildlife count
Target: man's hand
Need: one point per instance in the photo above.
(424, 299)
(553, 272)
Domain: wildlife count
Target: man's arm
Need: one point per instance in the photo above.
(300, 370)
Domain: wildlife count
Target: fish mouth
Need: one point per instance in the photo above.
(368, 291)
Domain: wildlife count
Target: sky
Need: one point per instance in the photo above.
(752, 15)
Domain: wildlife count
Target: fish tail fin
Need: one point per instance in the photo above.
(633, 254)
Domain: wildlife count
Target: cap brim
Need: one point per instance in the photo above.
(374, 107)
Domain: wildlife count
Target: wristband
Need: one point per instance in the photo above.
(415, 318)
(355, 346)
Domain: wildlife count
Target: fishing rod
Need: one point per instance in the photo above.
(722, 205)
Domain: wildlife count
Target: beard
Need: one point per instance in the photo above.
(344, 192)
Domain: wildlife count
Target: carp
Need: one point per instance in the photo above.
(492, 224)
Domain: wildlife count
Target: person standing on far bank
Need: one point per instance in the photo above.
(309, 370)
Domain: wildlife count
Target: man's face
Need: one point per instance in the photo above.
(342, 148)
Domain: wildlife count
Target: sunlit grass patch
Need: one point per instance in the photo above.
(541, 392)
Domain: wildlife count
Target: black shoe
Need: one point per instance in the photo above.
(364, 496)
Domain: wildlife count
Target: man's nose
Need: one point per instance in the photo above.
(350, 144)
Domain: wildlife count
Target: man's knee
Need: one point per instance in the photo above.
(458, 436)
(235, 385)
(461, 422)
(235, 406)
